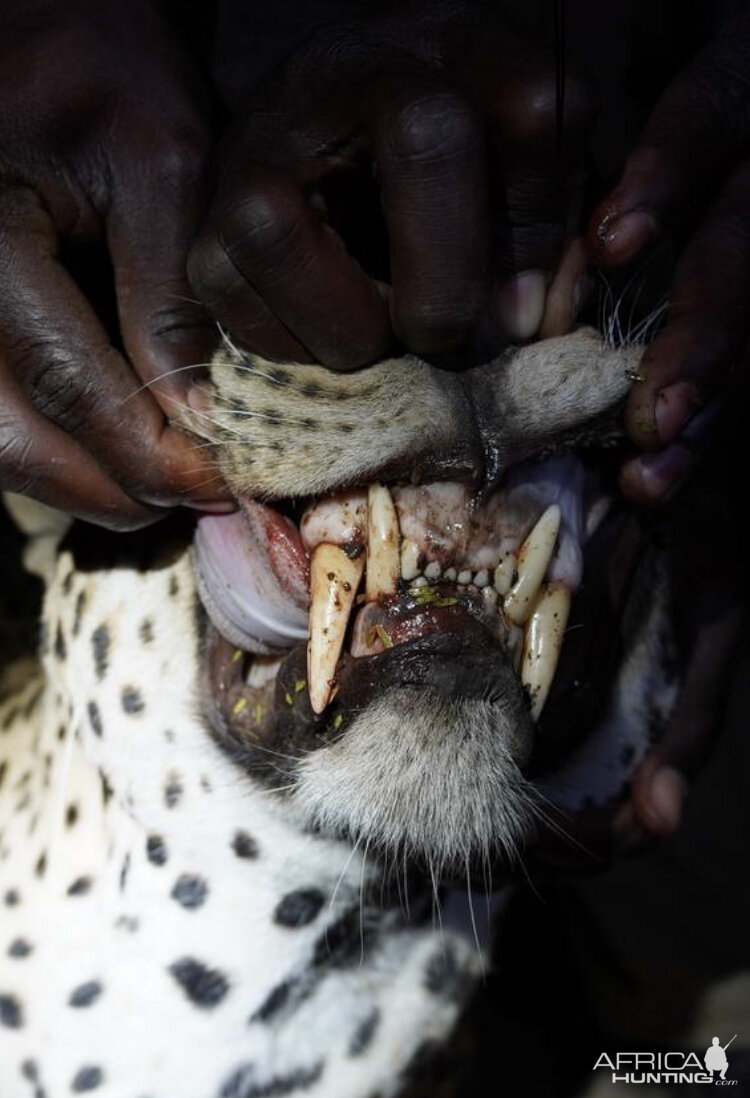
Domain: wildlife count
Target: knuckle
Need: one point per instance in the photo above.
(529, 118)
(56, 382)
(262, 221)
(432, 127)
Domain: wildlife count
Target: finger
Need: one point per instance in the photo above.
(299, 269)
(153, 217)
(698, 127)
(39, 460)
(61, 356)
(429, 149)
(706, 325)
(537, 168)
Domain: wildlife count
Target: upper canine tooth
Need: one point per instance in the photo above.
(383, 539)
(409, 559)
(533, 560)
(334, 579)
(543, 642)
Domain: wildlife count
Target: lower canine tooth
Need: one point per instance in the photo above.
(533, 560)
(543, 642)
(334, 579)
(383, 538)
(409, 559)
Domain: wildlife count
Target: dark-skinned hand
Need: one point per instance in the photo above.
(103, 139)
(687, 179)
(455, 117)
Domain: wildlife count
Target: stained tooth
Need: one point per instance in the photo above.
(542, 643)
(449, 574)
(409, 559)
(383, 538)
(433, 570)
(533, 560)
(482, 578)
(465, 576)
(420, 581)
(503, 575)
(334, 579)
(489, 594)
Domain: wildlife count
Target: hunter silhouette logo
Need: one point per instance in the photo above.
(716, 1057)
(670, 1068)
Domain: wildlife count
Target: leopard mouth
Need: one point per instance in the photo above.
(396, 585)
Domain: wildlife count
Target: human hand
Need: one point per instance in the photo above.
(688, 178)
(456, 117)
(103, 137)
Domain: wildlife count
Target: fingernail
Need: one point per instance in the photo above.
(212, 507)
(674, 407)
(662, 472)
(666, 794)
(520, 304)
(624, 238)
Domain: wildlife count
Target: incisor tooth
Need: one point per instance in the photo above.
(533, 560)
(504, 573)
(383, 538)
(334, 579)
(542, 643)
(409, 559)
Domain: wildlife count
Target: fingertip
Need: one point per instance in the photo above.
(619, 238)
(653, 478)
(520, 305)
(661, 804)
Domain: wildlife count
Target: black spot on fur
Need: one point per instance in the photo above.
(444, 976)
(12, 897)
(101, 642)
(95, 718)
(3, 771)
(363, 1035)
(242, 1083)
(107, 790)
(81, 886)
(67, 583)
(173, 790)
(174, 587)
(20, 948)
(278, 376)
(85, 994)
(41, 865)
(309, 424)
(272, 417)
(345, 428)
(244, 845)
(127, 923)
(61, 732)
(146, 631)
(190, 891)
(87, 1078)
(9, 718)
(78, 612)
(132, 700)
(11, 1012)
(299, 908)
(312, 389)
(30, 1070)
(61, 649)
(206, 784)
(156, 850)
(274, 1002)
(205, 987)
(345, 942)
(71, 814)
(124, 871)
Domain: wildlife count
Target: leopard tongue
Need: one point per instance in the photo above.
(251, 572)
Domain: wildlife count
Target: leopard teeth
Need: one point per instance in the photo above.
(543, 641)
(383, 541)
(533, 560)
(433, 570)
(420, 581)
(450, 575)
(502, 577)
(409, 559)
(334, 579)
(482, 578)
(464, 576)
